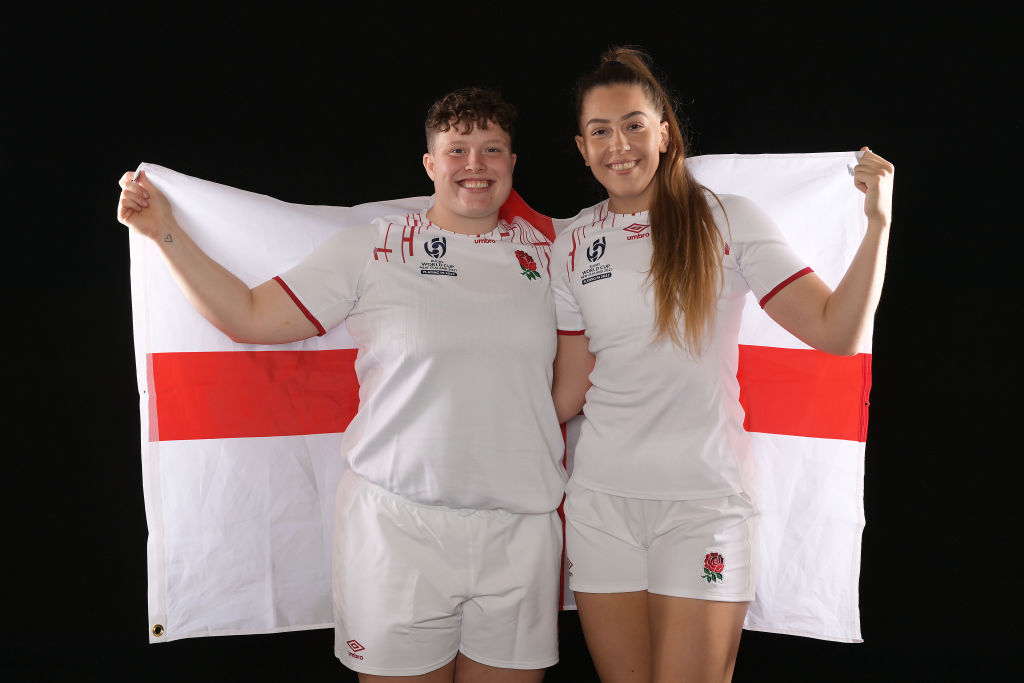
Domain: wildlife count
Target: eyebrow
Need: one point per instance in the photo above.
(627, 116)
(495, 141)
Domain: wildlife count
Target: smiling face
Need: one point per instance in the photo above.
(472, 174)
(621, 139)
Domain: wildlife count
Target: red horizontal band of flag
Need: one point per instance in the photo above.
(232, 394)
(802, 392)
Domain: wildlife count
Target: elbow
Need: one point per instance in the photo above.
(240, 335)
(841, 347)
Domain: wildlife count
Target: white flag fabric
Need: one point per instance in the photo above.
(241, 443)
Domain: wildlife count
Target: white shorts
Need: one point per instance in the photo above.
(704, 549)
(415, 584)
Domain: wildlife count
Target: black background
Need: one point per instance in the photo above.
(310, 107)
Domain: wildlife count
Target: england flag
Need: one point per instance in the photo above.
(241, 443)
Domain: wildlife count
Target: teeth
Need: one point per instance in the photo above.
(622, 165)
(475, 184)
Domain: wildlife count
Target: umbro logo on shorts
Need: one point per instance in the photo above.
(355, 647)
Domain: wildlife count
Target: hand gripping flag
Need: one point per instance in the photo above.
(241, 443)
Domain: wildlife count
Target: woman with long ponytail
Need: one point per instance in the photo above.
(649, 287)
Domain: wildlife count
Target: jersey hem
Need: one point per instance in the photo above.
(571, 333)
(647, 495)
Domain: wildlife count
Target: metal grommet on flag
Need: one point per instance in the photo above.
(158, 630)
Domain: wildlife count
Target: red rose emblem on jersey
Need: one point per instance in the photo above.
(714, 565)
(528, 265)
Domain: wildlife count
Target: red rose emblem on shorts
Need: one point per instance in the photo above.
(528, 265)
(714, 565)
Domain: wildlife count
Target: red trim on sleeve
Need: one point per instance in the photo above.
(779, 287)
(571, 333)
(320, 331)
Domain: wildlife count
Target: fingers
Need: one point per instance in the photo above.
(869, 159)
(873, 176)
(131, 187)
(871, 170)
(134, 197)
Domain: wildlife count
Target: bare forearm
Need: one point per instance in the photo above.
(851, 308)
(263, 315)
(836, 321)
(573, 365)
(214, 291)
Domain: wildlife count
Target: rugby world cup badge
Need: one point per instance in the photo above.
(596, 270)
(436, 248)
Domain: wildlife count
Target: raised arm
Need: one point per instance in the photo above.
(835, 322)
(573, 365)
(265, 314)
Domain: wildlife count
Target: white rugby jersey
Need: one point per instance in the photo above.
(658, 423)
(456, 339)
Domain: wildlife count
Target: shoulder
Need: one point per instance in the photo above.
(740, 218)
(568, 231)
(585, 218)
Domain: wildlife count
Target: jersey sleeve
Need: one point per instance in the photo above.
(764, 259)
(568, 318)
(325, 285)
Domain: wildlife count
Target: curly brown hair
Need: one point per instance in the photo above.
(469, 108)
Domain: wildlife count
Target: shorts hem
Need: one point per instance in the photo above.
(358, 667)
(539, 664)
(705, 596)
(606, 589)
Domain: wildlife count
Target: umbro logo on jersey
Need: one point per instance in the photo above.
(436, 247)
(638, 231)
(596, 250)
(355, 647)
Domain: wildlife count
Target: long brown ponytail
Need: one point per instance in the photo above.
(686, 264)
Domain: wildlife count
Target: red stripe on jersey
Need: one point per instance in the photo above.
(320, 331)
(385, 249)
(803, 392)
(571, 333)
(234, 394)
(516, 206)
(779, 287)
(407, 235)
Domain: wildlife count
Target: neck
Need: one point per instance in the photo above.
(461, 224)
(632, 203)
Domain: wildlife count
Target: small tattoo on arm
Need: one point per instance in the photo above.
(168, 238)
